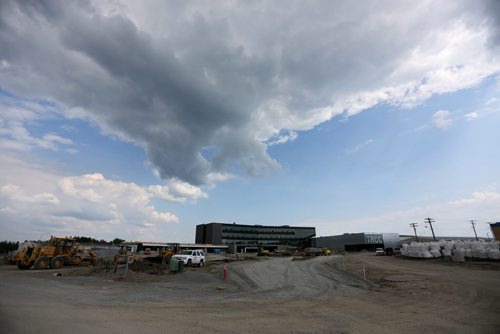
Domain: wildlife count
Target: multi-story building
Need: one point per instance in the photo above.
(245, 237)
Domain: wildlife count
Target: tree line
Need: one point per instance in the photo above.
(7, 246)
(88, 240)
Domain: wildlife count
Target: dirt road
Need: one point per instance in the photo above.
(274, 295)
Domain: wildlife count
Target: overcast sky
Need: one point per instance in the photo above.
(140, 120)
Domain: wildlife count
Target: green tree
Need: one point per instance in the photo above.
(7, 246)
(117, 241)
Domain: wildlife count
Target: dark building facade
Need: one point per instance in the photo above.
(254, 236)
(495, 229)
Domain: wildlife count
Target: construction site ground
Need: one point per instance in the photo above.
(326, 294)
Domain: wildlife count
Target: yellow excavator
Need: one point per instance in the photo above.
(56, 253)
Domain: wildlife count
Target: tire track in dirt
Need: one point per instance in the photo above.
(284, 278)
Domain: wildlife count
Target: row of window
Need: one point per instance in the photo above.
(258, 237)
(254, 242)
(257, 231)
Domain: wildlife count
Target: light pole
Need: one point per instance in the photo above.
(430, 221)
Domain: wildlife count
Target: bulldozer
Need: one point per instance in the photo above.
(56, 253)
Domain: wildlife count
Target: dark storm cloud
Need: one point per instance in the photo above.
(492, 12)
(138, 88)
(222, 78)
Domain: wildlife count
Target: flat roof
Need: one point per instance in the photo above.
(265, 226)
(202, 246)
(149, 243)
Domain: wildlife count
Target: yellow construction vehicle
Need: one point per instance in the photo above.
(327, 251)
(162, 257)
(54, 254)
(263, 252)
(12, 257)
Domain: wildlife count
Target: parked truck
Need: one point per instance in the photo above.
(56, 253)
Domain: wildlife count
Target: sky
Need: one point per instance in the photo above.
(140, 120)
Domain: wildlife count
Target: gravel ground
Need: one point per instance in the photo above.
(267, 295)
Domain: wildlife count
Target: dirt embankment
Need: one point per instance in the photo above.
(269, 295)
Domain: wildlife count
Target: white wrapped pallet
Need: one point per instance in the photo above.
(434, 246)
(465, 245)
(448, 245)
(494, 254)
(458, 250)
(413, 250)
(482, 254)
(491, 245)
(478, 250)
(435, 253)
(426, 254)
(446, 252)
(478, 245)
(458, 255)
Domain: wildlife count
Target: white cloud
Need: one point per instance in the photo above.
(490, 107)
(471, 116)
(4, 64)
(15, 117)
(415, 130)
(35, 201)
(360, 146)
(177, 191)
(17, 194)
(72, 150)
(282, 138)
(125, 202)
(442, 119)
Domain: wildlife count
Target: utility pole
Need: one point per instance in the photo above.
(414, 225)
(472, 222)
(430, 221)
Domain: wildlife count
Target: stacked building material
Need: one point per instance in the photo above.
(458, 249)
